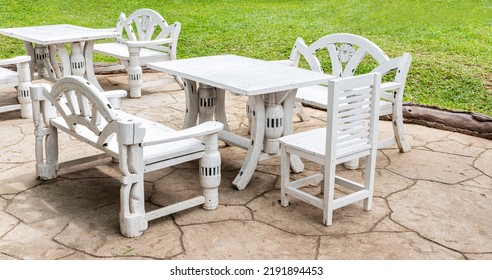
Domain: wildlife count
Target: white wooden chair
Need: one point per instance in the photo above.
(350, 133)
(77, 107)
(346, 52)
(21, 79)
(145, 37)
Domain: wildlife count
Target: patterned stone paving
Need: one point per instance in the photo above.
(434, 202)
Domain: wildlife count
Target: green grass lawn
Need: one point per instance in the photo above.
(451, 41)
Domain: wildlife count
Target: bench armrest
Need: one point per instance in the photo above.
(285, 61)
(15, 60)
(203, 129)
(149, 43)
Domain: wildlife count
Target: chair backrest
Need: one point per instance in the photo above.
(84, 108)
(353, 114)
(147, 25)
(346, 52)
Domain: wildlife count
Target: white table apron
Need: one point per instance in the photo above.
(45, 43)
(271, 110)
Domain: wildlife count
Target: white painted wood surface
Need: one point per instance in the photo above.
(20, 79)
(346, 52)
(270, 87)
(72, 44)
(350, 133)
(241, 75)
(76, 107)
(144, 36)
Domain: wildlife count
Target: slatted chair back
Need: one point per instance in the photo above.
(352, 116)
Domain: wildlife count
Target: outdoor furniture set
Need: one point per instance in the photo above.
(76, 105)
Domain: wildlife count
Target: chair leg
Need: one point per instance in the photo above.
(210, 172)
(284, 176)
(329, 193)
(399, 130)
(369, 179)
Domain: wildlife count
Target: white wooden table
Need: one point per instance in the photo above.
(45, 43)
(271, 87)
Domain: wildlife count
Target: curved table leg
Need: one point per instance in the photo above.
(296, 164)
(191, 110)
(64, 58)
(30, 52)
(254, 150)
(89, 64)
(220, 113)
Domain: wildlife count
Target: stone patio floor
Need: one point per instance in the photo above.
(434, 202)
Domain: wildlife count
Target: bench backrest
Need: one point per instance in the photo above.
(84, 109)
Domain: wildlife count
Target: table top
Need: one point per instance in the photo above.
(242, 75)
(58, 33)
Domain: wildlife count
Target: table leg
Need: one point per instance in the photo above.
(207, 97)
(64, 59)
(191, 110)
(220, 113)
(89, 64)
(31, 53)
(254, 150)
(41, 56)
(288, 105)
(54, 62)
(274, 127)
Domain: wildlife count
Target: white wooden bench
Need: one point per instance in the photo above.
(78, 108)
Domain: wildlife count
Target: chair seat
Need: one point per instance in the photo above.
(8, 78)
(192, 148)
(303, 141)
(120, 51)
(317, 97)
